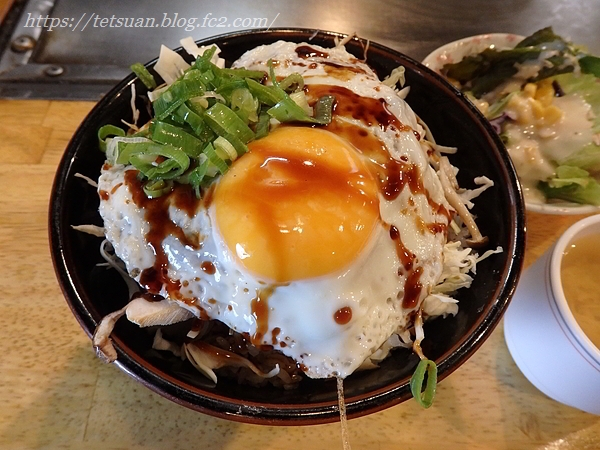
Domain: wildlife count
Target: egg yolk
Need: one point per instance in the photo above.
(301, 203)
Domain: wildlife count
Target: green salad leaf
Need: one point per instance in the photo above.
(485, 71)
(590, 64)
(573, 185)
(588, 87)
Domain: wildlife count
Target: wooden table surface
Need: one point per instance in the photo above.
(54, 393)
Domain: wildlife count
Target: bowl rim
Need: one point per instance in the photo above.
(286, 414)
(584, 227)
(480, 42)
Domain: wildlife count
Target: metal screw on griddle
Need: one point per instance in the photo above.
(53, 71)
(22, 44)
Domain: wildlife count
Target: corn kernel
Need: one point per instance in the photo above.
(537, 109)
(520, 106)
(545, 92)
(529, 90)
(552, 114)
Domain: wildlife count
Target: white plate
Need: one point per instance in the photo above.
(456, 51)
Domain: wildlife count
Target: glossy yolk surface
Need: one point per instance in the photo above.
(300, 204)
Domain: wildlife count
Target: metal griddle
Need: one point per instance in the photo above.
(69, 63)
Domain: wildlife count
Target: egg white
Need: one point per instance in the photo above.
(303, 310)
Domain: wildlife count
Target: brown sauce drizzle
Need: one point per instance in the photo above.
(412, 288)
(340, 71)
(208, 267)
(370, 111)
(260, 310)
(115, 187)
(343, 315)
(274, 333)
(104, 195)
(398, 175)
(365, 142)
(437, 227)
(157, 216)
(185, 200)
(207, 196)
(305, 51)
(393, 175)
(406, 257)
(412, 285)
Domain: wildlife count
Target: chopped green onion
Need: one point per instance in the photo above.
(144, 75)
(244, 73)
(324, 109)
(300, 100)
(182, 90)
(269, 95)
(209, 79)
(244, 105)
(239, 146)
(197, 175)
(143, 156)
(195, 121)
(288, 111)
(424, 397)
(168, 169)
(203, 121)
(154, 189)
(210, 152)
(228, 87)
(197, 105)
(165, 133)
(203, 63)
(106, 132)
(224, 146)
(272, 74)
(292, 83)
(262, 127)
(224, 121)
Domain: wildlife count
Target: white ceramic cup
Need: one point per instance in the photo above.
(542, 335)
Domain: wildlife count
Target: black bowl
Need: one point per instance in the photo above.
(93, 292)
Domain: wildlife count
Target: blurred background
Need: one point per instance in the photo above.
(69, 49)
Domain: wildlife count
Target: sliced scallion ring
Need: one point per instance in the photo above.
(215, 159)
(292, 83)
(106, 132)
(157, 188)
(224, 121)
(182, 90)
(223, 145)
(424, 397)
(144, 75)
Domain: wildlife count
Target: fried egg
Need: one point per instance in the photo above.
(319, 242)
